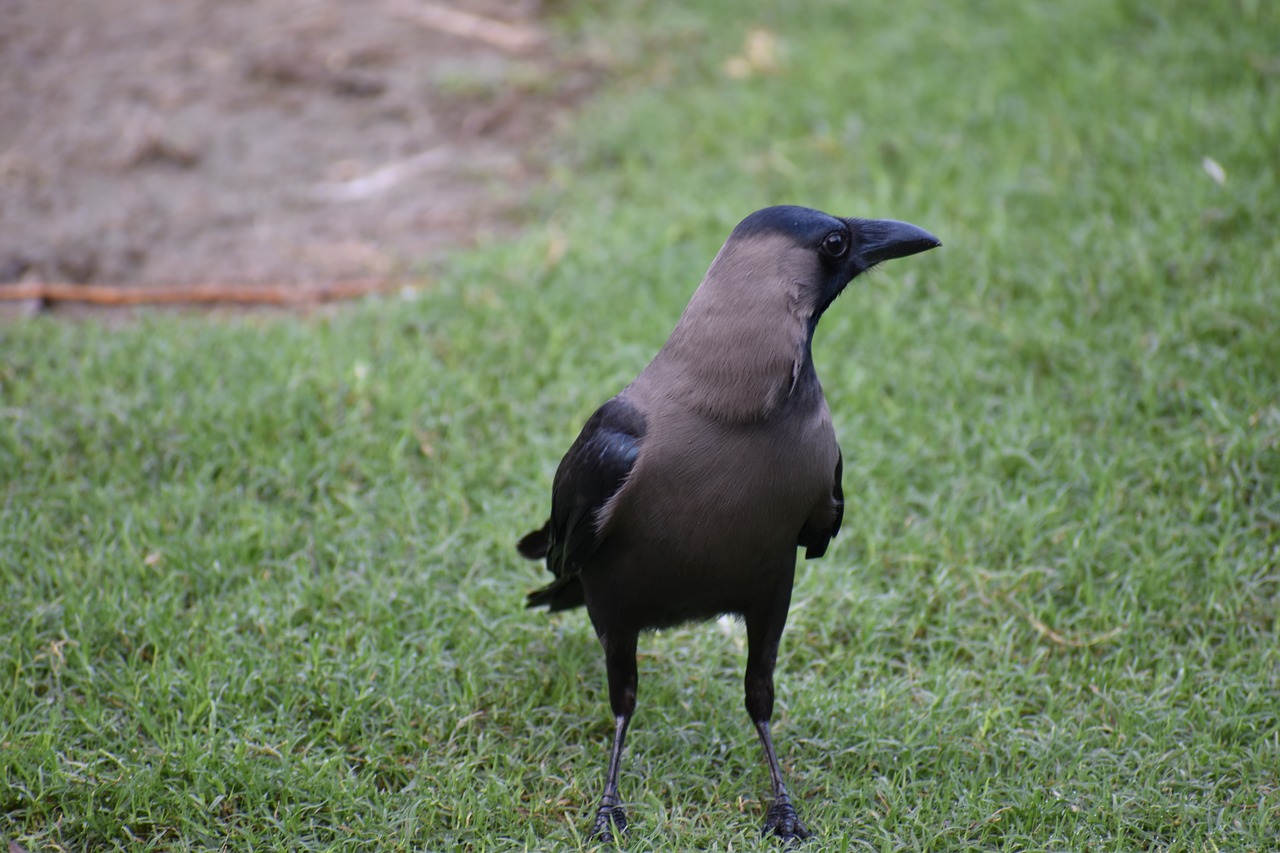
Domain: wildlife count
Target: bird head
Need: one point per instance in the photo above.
(819, 254)
(742, 346)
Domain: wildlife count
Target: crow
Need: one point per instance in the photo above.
(686, 496)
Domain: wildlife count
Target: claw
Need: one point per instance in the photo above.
(608, 819)
(781, 820)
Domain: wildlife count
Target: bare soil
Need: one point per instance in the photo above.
(265, 141)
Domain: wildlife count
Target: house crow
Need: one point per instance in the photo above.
(686, 496)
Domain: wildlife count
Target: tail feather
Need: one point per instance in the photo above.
(561, 594)
(536, 544)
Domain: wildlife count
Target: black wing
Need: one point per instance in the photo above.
(590, 474)
(815, 540)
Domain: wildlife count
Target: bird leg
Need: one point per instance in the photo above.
(610, 814)
(763, 634)
(782, 819)
(620, 663)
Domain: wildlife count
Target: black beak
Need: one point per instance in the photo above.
(880, 240)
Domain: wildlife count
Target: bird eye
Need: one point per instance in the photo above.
(835, 244)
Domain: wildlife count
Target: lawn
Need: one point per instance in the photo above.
(259, 589)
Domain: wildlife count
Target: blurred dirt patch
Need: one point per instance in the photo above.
(266, 141)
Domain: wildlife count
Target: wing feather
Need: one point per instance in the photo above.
(815, 538)
(592, 472)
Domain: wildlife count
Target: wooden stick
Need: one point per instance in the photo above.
(499, 34)
(198, 294)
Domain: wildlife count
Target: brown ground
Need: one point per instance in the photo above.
(264, 141)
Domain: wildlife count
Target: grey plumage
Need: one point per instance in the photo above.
(687, 495)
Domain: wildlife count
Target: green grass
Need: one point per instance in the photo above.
(258, 583)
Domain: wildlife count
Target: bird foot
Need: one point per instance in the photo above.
(610, 817)
(781, 820)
